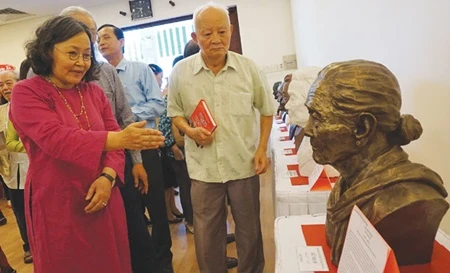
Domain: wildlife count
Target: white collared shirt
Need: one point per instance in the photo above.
(233, 96)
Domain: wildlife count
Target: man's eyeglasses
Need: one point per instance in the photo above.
(74, 56)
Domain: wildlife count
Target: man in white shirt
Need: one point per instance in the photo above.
(224, 164)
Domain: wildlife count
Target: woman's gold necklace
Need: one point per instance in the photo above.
(82, 110)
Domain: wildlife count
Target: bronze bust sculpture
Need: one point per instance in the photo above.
(355, 125)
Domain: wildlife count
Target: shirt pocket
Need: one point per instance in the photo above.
(240, 103)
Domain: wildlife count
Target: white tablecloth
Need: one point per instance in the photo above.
(289, 236)
(288, 199)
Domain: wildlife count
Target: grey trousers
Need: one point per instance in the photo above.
(210, 212)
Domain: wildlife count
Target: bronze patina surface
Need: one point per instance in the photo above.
(355, 125)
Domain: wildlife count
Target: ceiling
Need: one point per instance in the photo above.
(38, 8)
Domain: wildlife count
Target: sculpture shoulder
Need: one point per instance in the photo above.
(409, 220)
(402, 196)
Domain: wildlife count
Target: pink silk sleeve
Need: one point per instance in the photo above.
(35, 119)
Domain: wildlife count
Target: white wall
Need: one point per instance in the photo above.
(410, 37)
(13, 39)
(265, 27)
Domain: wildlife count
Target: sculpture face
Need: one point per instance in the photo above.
(332, 139)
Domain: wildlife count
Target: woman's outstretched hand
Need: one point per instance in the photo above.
(134, 137)
(137, 137)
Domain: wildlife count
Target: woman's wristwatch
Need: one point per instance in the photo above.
(109, 177)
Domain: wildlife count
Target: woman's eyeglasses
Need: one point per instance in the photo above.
(74, 56)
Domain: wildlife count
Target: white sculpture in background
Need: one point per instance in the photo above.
(298, 115)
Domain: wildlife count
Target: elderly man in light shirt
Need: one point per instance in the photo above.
(225, 164)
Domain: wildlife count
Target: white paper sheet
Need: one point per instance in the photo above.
(315, 174)
(364, 248)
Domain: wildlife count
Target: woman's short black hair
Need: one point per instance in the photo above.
(53, 31)
(155, 68)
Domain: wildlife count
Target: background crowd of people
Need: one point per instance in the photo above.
(73, 116)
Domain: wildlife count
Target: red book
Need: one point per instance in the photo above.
(201, 117)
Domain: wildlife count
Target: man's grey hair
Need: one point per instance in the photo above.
(213, 5)
(69, 11)
(12, 72)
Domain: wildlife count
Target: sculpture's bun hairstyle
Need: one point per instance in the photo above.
(408, 130)
(359, 86)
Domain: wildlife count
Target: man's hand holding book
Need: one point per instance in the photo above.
(201, 136)
(203, 125)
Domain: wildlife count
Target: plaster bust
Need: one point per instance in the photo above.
(355, 125)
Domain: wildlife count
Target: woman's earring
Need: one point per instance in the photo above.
(358, 143)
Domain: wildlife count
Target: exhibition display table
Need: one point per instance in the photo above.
(291, 199)
(290, 234)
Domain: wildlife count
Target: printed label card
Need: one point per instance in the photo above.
(311, 258)
(292, 173)
(364, 248)
(296, 178)
(289, 151)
